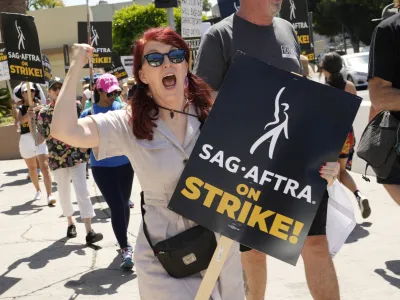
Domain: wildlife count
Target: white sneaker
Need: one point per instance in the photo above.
(38, 195)
(51, 200)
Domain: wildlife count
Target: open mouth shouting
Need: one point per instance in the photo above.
(169, 81)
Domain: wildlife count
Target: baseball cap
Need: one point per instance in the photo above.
(55, 80)
(108, 83)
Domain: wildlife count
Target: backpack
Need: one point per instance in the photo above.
(379, 144)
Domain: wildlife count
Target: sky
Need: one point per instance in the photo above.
(94, 2)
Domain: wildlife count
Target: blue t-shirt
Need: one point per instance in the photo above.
(115, 161)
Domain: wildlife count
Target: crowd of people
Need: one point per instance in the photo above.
(68, 165)
(149, 127)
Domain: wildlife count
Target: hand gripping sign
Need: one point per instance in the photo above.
(259, 185)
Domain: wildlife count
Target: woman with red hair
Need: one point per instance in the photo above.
(157, 133)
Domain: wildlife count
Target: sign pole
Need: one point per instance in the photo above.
(90, 43)
(31, 104)
(170, 16)
(214, 268)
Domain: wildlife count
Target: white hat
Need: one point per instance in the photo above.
(24, 87)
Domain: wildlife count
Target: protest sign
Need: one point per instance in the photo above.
(127, 62)
(117, 69)
(66, 58)
(194, 45)
(296, 12)
(191, 22)
(101, 41)
(253, 175)
(192, 27)
(228, 7)
(23, 50)
(46, 68)
(4, 73)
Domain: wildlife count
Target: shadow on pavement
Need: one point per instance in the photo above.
(394, 267)
(27, 207)
(16, 172)
(359, 232)
(101, 282)
(40, 259)
(17, 182)
(102, 216)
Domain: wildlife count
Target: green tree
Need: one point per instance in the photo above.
(354, 15)
(130, 22)
(206, 5)
(39, 4)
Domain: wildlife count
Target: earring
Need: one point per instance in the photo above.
(186, 83)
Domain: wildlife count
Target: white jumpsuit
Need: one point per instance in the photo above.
(158, 165)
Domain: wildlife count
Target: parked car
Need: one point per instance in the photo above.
(355, 68)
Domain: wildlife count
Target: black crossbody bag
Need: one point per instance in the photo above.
(186, 253)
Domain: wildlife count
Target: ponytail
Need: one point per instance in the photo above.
(336, 80)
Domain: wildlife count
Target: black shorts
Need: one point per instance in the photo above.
(394, 177)
(318, 226)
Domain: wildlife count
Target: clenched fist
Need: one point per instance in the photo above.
(81, 54)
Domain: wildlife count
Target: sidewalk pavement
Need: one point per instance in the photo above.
(38, 262)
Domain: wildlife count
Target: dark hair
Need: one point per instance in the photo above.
(96, 95)
(332, 63)
(197, 92)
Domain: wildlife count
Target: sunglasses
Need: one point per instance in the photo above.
(156, 59)
(113, 94)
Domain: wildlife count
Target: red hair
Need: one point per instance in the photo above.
(144, 111)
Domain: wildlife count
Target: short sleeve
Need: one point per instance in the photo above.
(114, 134)
(210, 62)
(382, 54)
(43, 123)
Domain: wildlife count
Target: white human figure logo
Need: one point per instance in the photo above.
(292, 10)
(95, 37)
(21, 36)
(275, 132)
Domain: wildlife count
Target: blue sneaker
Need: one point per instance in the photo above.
(127, 261)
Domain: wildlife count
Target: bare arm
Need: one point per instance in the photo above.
(383, 95)
(350, 88)
(22, 118)
(65, 126)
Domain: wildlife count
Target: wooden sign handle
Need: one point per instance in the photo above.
(214, 269)
(31, 104)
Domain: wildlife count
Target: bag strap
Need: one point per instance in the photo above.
(145, 231)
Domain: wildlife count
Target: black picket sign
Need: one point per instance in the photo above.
(253, 175)
(228, 7)
(101, 40)
(296, 12)
(117, 69)
(23, 49)
(46, 68)
(66, 58)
